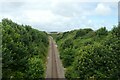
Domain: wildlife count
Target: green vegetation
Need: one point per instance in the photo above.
(24, 51)
(85, 53)
(90, 54)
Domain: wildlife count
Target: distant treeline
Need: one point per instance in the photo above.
(24, 51)
(86, 53)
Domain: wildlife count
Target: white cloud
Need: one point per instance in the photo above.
(58, 1)
(51, 15)
(89, 21)
(43, 16)
(102, 9)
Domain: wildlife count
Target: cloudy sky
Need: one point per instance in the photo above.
(61, 15)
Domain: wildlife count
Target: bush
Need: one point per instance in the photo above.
(20, 46)
(67, 56)
(67, 44)
(96, 54)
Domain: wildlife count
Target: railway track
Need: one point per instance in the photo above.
(54, 64)
(54, 69)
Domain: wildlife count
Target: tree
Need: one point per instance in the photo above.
(23, 51)
(102, 31)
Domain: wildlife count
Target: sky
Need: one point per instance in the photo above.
(61, 15)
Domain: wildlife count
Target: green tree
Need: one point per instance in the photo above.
(23, 51)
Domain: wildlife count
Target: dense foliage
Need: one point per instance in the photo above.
(23, 51)
(90, 54)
